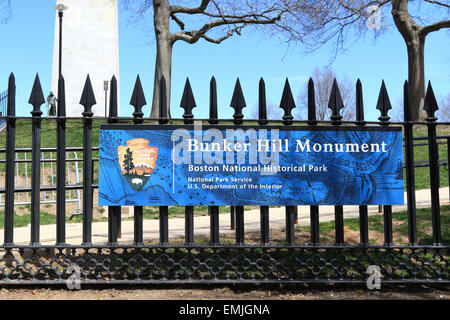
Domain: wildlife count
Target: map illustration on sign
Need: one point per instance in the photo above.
(137, 160)
(181, 165)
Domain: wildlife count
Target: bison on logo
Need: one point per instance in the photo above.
(137, 161)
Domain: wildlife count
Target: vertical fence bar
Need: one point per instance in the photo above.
(36, 100)
(238, 103)
(188, 103)
(336, 104)
(312, 121)
(213, 210)
(384, 105)
(87, 100)
(61, 165)
(363, 212)
(232, 219)
(163, 210)
(114, 212)
(262, 120)
(448, 164)
(409, 158)
(431, 106)
(138, 101)
(287, 104)
(10, 162)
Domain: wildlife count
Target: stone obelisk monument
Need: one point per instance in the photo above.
(90, 45)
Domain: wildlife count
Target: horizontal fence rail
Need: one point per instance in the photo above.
(215, 262)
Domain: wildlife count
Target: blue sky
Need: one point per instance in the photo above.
(27, 48)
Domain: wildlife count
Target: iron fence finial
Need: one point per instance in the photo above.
(430, 105)
(213, 115)
(238, 102)
(311, 103)
(287, 103)
(61, 97)
(383, 104)
(36, 97)
(187, 101)
(262, 104)
(138, 99)
(335, 104)
(87, 98)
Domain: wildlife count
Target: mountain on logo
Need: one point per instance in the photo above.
(137, 161)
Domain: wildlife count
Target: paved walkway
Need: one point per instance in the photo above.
(201, 224)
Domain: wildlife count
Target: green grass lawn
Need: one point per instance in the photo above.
(148, 213)
(400, 229)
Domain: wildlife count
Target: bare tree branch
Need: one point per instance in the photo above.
(199, 9)
(194, 35)
(435, 27)
(439, 3)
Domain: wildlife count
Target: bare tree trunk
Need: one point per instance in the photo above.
(163, 65)
(416, 78)
(415, 43)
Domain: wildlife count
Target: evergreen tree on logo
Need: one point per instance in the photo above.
(128, 161)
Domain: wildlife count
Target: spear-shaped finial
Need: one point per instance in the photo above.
(287, 103)
(138, 99)
(187, 102)
(384, 104)
(238, 103)
(430, 104)
(335, 104)
(87, 98)
(36, 97)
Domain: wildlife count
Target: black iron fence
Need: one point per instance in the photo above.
(215, 262)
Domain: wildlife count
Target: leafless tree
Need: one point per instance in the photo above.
(5, 10)
(323, 82)
(210, 20)
(274, 112)
(333, 21)
(443, 113)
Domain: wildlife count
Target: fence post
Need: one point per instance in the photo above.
(363, 215)
(448, 164)
(87, 100)
(36, 100)
(409, 158)
(113, 211)
(137, 101)
(163, 210)
(188, 103)
(335, 104)
(312, 121)
(262, 120)
(10, 162)
(213, 211)
(287, 104)
(384, 105)
(61, 165)
(430, 106)
(238, 103)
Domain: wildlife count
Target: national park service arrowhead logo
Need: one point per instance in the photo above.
(137, 161)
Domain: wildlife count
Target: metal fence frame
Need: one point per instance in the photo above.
(214, 263)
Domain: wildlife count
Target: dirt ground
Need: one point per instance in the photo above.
(231, 292)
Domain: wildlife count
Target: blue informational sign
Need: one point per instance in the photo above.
(184, 165)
